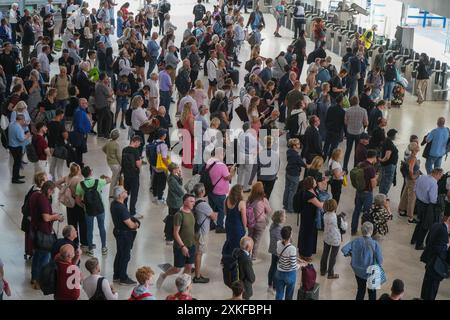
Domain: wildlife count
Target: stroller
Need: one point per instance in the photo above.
(399, 92)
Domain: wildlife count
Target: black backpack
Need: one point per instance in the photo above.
(442, 183)
(99, 295)
(93, 203)
(115, 66)
(47, 278)
(199, 11)
(198, 224)
(25, 225)
(165, 7)
(31, 152)
(205, 178)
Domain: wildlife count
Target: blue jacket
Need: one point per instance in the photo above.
(362, 250)
(81, 121)
(439, 138)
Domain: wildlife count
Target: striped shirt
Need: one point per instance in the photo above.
(355, 117)
(287, 260)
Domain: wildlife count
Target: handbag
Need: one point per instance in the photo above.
(61, 152)
(160, 165)
(44, 241)
(377, 276)
(149, 126)
(65, 196)
(345, 181)
(4, 122)
(441, 267)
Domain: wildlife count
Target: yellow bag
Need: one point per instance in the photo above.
(160, 165)
(344, 181)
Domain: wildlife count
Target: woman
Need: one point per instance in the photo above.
(37, 27)
(113, 154)
(379, 215)
(269, 99)
(75, 215)
(139, 60)
(293, 168)
(315, 168)
(288, 264)
(279, 65)
(138, 117)
(278, 219)
(332, 238)
(61, 82)
(187, 121)
(236, 219)
(364, 252)
(221, 74)
(124, 9)
(34, 88)
(261, 212)
(307, 237)
(21, 108)
(337, 174)
(268, 166)
(408, 197)
(174, 199)
(49, 103)
(42, 218)
(323, 103)
(49, 29)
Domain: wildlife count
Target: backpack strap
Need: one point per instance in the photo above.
(195, 205)
(99, 285)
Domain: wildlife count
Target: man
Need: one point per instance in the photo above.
(378, 135)
(427, 207)
(103, 98)
(159, 177)
(297, 122)
(73, 51)
(439, 138)
(17, 139)
(69, 234)
(83, 83)
(8, 60)
(41, 147)
(248, 150)
(195, 61)
(354, 69)
(245, 265)
(42, 58)
(131, 167)
(375, 114)
(237, 288)
(336, 86)
(204, 214)
(68, 275)
(125, 229)
(436, 250)
(81, 127)
(101, 55)
(165, 89)
(88, 196)
(312, 143)
(220, 177)
(199, 11)
(188, 32)
(397, 291)
(318, 54)
(183, 80)
(368, 36)
(66, 61)
(389, 159)
(299, 18)
(361, 148)
(27, 39)
(355, 120)
(293, 97)
(184, 287)
(56, 137)
(211, 66)
(335, 124)
(364, 198)
(153, 51)
(184, 236)
(284, 86)
(300, 52)
(199, 160)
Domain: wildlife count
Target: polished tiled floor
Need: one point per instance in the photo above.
(400, 259)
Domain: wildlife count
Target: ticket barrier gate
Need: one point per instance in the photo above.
(343, 44)
(441, 93)
(337, 39)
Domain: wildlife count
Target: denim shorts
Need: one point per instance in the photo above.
(121, 104)
(179, 261)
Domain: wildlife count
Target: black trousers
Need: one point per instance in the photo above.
(268, 187)
(17, 154)
(159, 184)
(298, 25)
(131, 184)
(430, 286)
(362, 285)
(194, 77)
(168, 224)
(331, 142)
(332, 260)
(336, 189)
(104, 122)
(124, 241)
(420, 232)
(76, 218)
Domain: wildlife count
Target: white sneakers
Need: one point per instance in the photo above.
(160, 281)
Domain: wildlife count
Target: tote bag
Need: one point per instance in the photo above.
(160, 165)
(377, 276)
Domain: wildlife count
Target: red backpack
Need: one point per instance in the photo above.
(140, 297)
(308, 277)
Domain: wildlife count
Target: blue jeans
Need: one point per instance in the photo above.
(388, 88)
(285, 284)
(217, 203)
(387, 177)
(243, 5)
(151, 66)
(40, 259)
(121, 104)
(352, 82)
(272, 271)
(351, 139)
(432, 162)
(90, 229)
(363, 202)
(290, 188)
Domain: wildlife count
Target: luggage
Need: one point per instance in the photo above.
(242, 113)
(309, 295)
(308, 277)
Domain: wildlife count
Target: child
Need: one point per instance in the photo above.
(122, 93)
(375, 79)
(294, 67)
(332, 238)
(120, 23)
(144, 276)
(278, 219)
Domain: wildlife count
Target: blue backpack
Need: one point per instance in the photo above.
(151, 151)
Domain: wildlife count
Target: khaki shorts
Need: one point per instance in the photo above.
(201, 243)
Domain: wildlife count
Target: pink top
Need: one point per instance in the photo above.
(261, 208)
(200, 97)
(219, 171)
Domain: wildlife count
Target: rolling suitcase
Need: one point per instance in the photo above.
(308, 295)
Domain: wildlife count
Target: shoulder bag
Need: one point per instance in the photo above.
(376, 273)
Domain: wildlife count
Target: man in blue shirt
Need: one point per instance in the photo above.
(438, 138)
(427, 206)
(165, 89)
(153, 51)
(17, 141)
(81, 127)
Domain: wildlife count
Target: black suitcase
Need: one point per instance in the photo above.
(309, 295)
(234, 75)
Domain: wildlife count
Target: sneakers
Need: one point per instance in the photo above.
(220, 230)
(139, 216)
(200, 279)
(90, 253)
(160, 281)
(84, 248)
(104, 251)
(333, 276)
(127, 282)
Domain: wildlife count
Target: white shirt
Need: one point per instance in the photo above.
(248, 147)
(246, 101)
(184, 100)
(211, 66)
(45, 64)
(138, 117)
(90, 286)
(12, 16)
(124, 67)
(154, 92)
(335, 165)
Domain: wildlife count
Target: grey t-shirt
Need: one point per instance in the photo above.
(203, 212)
(101, 96)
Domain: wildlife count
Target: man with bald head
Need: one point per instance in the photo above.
(68, 276)
(246, 273)
(81, 127)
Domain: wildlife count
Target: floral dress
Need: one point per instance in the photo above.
(380, 217)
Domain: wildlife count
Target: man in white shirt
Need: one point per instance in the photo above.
(154, 90)
(239, 34)
(247, 154)
(189, 98)
(211, 66)
(251, 92)
(45, 63)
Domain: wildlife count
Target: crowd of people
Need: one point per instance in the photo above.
(48, 117)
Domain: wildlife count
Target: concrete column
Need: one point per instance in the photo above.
(404, 16)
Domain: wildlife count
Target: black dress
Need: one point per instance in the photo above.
(139, 60)
(307, 237)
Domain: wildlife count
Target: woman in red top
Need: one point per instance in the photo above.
(124, 8)
(68, 277)
(184, 287)
(187, 121)
(41, 146)
(42, 218)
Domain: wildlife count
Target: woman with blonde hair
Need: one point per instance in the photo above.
(138, 117)
(236, 219)
(200, 95)
(336, 174)
(315, 168)
(75, 215)
(21, 108)
(187, 122)
(261, 212)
